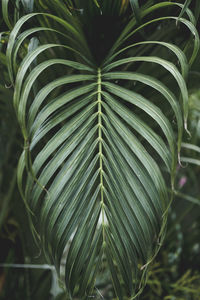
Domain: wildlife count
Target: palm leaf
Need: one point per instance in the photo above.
(98, 154)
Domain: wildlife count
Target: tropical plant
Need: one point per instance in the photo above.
(101, 98)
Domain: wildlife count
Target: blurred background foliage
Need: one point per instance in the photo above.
(175, 275)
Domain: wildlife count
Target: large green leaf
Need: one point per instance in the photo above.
(99, 152)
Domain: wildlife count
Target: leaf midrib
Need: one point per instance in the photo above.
(99, 101)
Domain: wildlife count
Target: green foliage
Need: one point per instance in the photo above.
(100, 94)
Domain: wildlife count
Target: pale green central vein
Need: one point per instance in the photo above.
(100, 153)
